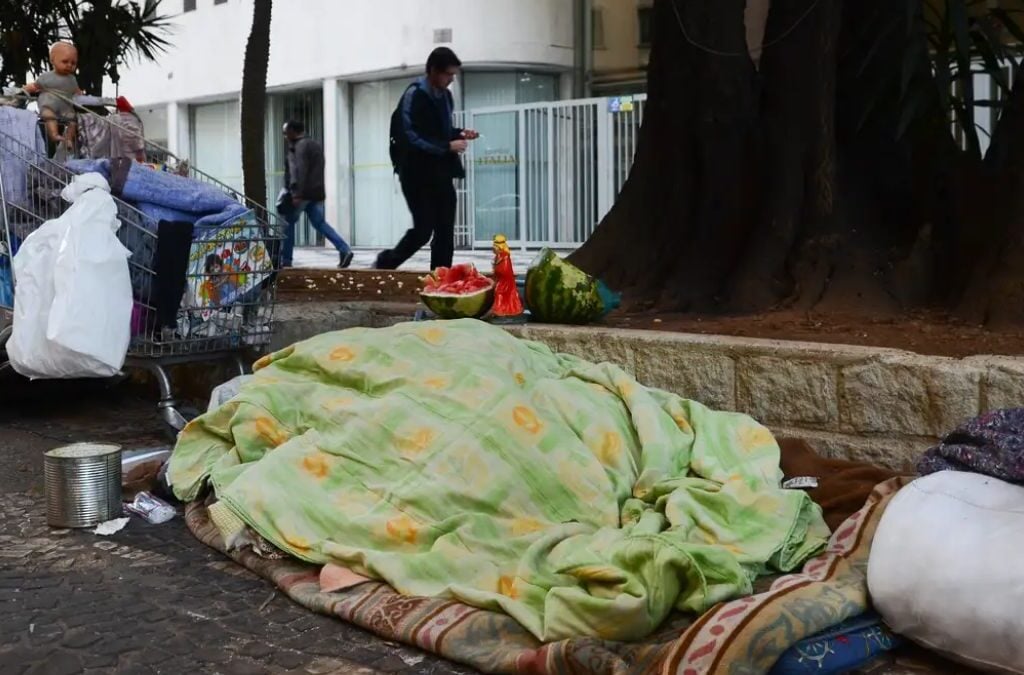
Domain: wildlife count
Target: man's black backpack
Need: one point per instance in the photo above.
(399, 144)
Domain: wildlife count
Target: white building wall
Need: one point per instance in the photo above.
(329, 45)
(313, 40)
(337, 155)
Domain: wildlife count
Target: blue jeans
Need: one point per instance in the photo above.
(315, 212)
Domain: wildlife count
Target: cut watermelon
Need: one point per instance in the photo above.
(457, 292)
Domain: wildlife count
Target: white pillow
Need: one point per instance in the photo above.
(947, 568)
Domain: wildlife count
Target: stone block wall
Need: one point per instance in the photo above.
(881, 405)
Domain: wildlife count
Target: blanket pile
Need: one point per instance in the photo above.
(452, 460)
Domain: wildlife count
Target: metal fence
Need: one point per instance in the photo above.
(545, 174)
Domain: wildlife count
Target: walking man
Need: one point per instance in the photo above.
(425, 151)
(304, 192)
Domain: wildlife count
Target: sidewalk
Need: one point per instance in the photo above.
(151, 598)
(321, 258)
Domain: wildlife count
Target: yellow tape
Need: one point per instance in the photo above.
(483, 161)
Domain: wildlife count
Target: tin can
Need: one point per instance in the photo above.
(83, 485)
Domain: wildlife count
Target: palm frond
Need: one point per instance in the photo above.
(107, 32)
(949, 43)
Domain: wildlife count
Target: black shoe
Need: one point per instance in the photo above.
(381, 263)
(346, 259)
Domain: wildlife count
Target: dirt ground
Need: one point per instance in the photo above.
(931, 334)
(309, 285)
(923, 333)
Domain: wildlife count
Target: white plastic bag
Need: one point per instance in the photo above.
(73, 300)
(945, 568)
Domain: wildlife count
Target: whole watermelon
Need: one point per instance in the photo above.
(559, 292)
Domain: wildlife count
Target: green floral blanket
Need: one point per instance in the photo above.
(453, 460)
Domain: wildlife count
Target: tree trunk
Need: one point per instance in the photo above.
(97, 44)
(691, 186)
(785, 186)
(995, 244)
(254, 104)
(14, 56)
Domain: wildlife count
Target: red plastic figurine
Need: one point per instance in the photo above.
(506, 295)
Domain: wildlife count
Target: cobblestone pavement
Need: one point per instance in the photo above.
(150, 599)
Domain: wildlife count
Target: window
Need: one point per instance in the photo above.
(644, 27)
(190, 5)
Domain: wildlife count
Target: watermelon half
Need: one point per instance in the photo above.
(457, 292)
(559, 292)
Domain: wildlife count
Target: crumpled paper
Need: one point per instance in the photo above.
(110, 527)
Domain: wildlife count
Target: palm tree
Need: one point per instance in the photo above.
(253, 104)
(106, 32)
(26, 29)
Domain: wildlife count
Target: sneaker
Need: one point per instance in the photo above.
(346, 259)
(382, 262)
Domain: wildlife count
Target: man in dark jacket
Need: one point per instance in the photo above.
(305, 193)
(429, 163)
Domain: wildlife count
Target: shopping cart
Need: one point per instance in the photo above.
(229, 291)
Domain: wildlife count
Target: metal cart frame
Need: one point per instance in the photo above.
(206, 329)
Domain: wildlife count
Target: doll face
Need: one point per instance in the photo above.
(64, 59)
(500, 244)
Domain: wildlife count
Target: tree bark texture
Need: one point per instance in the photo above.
(785, 185)
(253, 104)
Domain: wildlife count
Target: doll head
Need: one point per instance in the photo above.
(500, 244)
(64, 58)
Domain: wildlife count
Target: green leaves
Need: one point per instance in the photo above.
(948, 43)
(109, 32)
(143, 29)
(27, 27)
(106, 32)
(1010, 22)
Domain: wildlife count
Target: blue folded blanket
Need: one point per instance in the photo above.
(166, 196)
(156, 213)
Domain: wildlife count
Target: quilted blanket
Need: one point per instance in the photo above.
(161, 195)
(742, 637)
(451, 460)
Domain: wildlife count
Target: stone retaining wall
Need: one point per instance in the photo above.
(882, 405)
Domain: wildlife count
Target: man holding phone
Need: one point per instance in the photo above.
(426, 151)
